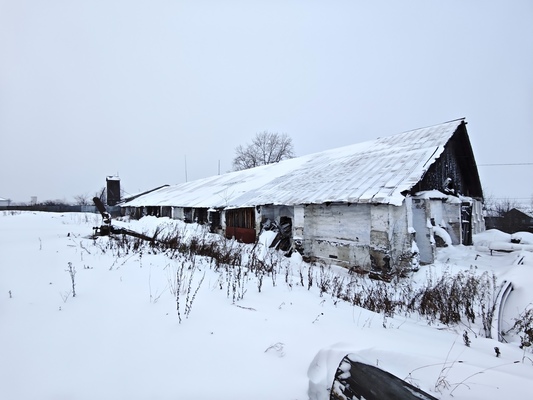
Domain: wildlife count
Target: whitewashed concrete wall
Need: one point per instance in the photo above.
(223, 220)
(390, 240)
(258, 219)
(451, 221)
(401, 240)
(478, 221)
(338, 231)
(177, 213)
(423, 237)
(298, 223)
(379, 236)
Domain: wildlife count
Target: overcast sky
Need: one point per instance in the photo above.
(93, 88)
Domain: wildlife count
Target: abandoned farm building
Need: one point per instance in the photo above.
(514, 220)
(370, 205)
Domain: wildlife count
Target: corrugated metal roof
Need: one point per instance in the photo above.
(376, 171)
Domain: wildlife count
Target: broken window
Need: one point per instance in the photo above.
(241, 218)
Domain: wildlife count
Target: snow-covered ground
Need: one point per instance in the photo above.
(120, 337)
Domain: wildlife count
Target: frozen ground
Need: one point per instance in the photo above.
(120, 338)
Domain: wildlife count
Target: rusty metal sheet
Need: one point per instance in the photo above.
(245, 235)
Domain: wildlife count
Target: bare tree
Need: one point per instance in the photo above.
(266, 148)
(498, 207)
(82, 199)
(503, 206)
(56, 202)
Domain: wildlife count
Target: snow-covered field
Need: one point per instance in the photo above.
(120, 337)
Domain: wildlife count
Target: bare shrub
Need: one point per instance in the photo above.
(181, 284)
(72, 272)
(523, 326)
(453, 297)
(450, 299)
(324, 280)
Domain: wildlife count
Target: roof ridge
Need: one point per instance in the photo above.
(463, 119)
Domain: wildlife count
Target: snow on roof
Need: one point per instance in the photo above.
(376, 171)
(437, 194)
(130, 196)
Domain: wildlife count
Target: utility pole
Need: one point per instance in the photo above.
(186, 168)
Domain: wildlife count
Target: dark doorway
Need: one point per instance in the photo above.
(466, 223)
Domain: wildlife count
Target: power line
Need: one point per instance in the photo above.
(493, 165)
(511, 198)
